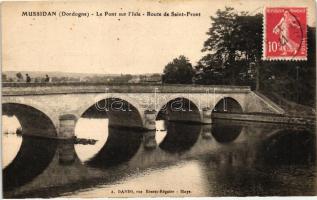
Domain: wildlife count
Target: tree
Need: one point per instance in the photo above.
(19, 76)
(4, 78)
(179, 71)
(234, 39)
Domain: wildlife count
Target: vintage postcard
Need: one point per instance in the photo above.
(158, 98)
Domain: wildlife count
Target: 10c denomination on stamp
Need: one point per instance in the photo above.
(285, 33)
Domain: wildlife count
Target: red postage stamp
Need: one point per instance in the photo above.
(285, 33)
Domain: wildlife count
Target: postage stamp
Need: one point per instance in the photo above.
(285, 33)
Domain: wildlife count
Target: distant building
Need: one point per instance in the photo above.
(136, 79)
(154, 78)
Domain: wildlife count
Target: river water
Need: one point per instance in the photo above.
(227, 158)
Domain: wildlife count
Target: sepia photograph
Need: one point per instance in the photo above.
(158, 98)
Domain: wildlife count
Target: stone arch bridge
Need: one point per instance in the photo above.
(60, 105)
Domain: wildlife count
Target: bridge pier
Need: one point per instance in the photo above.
(67, 126)
(206, 116)
(149, 119)
(149, 140)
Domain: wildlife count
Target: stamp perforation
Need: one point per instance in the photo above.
(303, 40)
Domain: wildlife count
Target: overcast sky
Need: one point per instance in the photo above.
(111, 44)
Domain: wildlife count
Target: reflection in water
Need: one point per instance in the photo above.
(281, 165)
(121, 145)
(10, 140)
(97, 128)
(206, 132)
(33, 157)
(204, 167)
(224, 133)
(180, 137)
(160, 131)
(10, 124)
(171, 180)
(91, 128)
(66, 152)
(113, 145)
(11, 144)
(290, 147)
(25, 157)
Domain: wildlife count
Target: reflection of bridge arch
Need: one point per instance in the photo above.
(119, 111)
(225, 133)
(34, 156)
(120, 146)
(228, 104)
(180, 137)
(32, 120)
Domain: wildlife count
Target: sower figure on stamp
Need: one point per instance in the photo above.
(287, 22)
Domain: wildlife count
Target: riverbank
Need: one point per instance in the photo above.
(269, 118)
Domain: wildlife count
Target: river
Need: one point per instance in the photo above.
(227, 158)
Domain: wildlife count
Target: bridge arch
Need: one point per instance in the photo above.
(180, 108)
(228, 104)
(33, 121)
(120, 110)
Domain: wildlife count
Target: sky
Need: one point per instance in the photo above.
(112, 44)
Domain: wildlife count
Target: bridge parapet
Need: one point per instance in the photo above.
(12, 89)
